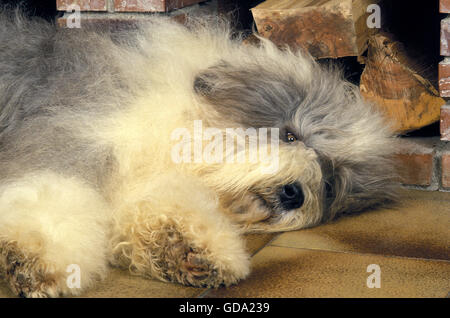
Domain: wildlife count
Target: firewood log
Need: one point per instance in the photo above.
(392, 81)
(324, 28)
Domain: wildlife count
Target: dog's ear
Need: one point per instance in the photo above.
(206, 81)
(247, 94)
(203, 84)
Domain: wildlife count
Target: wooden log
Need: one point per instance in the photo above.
(325, 28)
(392, 82)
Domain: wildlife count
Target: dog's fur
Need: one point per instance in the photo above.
(86, 175)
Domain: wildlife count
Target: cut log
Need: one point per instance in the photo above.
(392, 82)
(325, 28)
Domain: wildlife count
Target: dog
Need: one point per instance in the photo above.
(93, 125)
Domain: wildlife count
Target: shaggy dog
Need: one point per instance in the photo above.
(88, 170)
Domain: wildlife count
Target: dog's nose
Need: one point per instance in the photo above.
(291, 196)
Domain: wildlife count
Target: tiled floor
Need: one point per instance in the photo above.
(410, 244)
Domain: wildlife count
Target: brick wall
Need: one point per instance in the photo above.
(126, 5)
(120, 14)
(424, 163)
(444, 68)
(441, 151)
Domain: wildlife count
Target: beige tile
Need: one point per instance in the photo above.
(290, 272)
(419, 227)
(425, 195)
(121, 284)
(254, 242)
(4, 290)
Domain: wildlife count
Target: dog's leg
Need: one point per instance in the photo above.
(172, 230)
(53, 238)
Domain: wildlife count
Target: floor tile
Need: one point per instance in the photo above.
(121, 284)
(291, 272)
(4, 290)
(254, 242)
(419, 227)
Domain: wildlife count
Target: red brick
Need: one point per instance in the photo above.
(414, 160)
(445, 37)
(446, 169)
(445, 122)
(151, 5)
(444, 78)
(126, 20)
(85, 5)
(415, 169)
(444, 6)
(111, 21)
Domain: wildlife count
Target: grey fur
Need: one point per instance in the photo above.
(46, 75)
(86, 125)
(322, 112)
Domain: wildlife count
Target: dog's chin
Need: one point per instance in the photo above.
(248, 209)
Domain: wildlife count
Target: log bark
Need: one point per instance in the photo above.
(392, 82)
(325, 28)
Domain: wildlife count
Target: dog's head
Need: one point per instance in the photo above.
(333, 149)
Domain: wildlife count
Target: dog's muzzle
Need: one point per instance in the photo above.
(291, 196)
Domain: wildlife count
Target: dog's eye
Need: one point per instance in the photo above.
(290, 137)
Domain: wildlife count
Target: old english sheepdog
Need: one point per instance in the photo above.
(106, 142)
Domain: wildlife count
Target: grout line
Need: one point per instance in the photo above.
(267, 244)
(203, 293)
(365, 254)
(110, 6)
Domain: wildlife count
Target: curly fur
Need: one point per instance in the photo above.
(85, 150)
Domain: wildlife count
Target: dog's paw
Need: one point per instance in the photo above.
(196, 270)
(194, 267)
(27, 275)
(177, 259)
